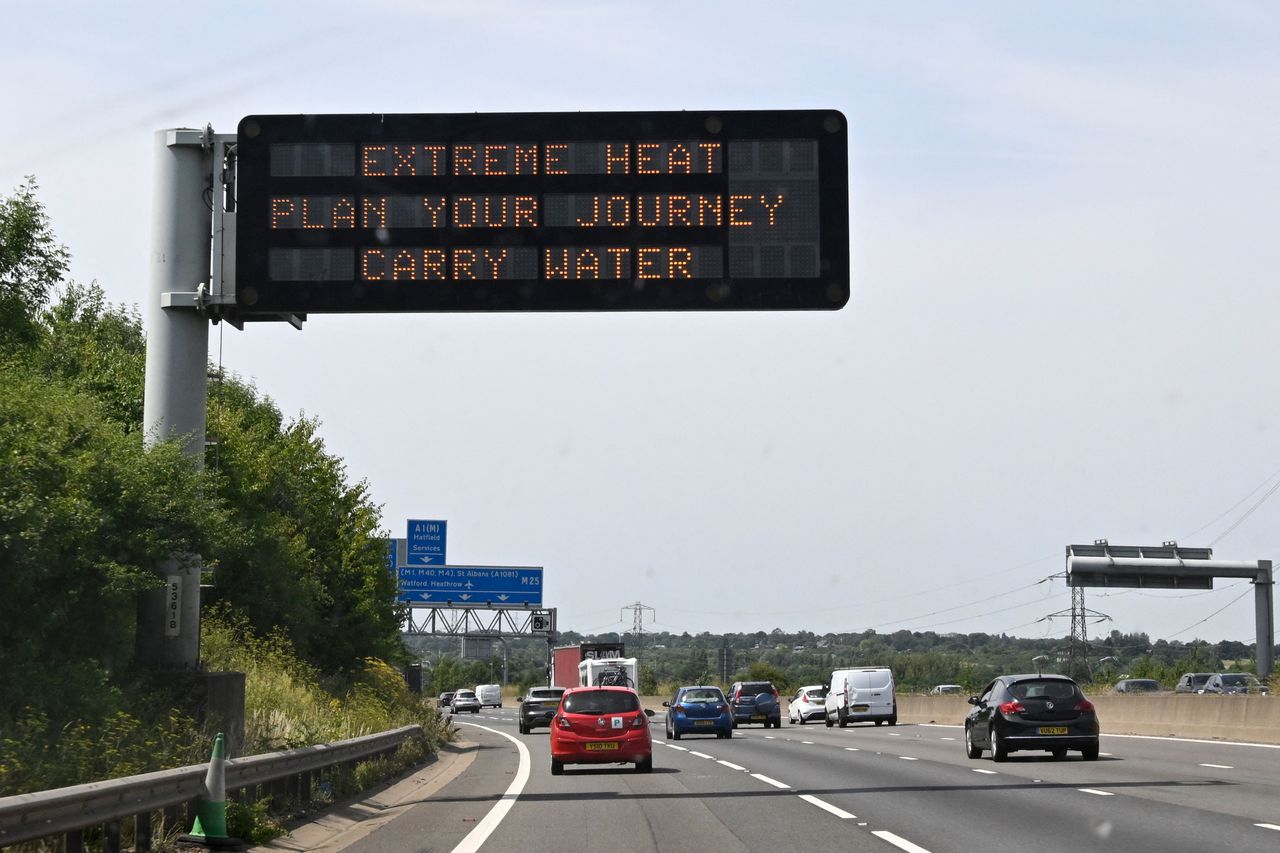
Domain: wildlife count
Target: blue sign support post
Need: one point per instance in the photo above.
(471, 586)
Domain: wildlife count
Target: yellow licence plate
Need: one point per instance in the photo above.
(1053, 730)
(603, 745)
(861, 709)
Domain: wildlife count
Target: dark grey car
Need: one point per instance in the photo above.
(538, 706)
(755, 702)
(1023, 712)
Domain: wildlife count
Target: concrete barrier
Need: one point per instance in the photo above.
(1243, 718)
(1254, 719)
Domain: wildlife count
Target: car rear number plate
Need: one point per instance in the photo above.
(603, 746)
(704, 722)
(1053, 730)
(755, 717)
(861, 709)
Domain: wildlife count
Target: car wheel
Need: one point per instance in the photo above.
(1059, 753)
(827, 719)
(802, 719)
(879, 722)
(645, 765)
(999, 752)
(728, 734)
(973, 751)
(557, 767)
(893, 721)
(524, 730)
(675, 735)
(1090, 752)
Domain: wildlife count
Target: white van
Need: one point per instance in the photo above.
(490, 694)
(862, 695)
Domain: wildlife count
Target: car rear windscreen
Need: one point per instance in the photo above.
(1043, 689)
(601, 702)
(875, 680)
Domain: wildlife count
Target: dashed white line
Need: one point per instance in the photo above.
(898, 841)
(1096, 792)
(730, 765)
(807, 742)
(769, 737)
(908, 758)
(988, 772)
(1268, 826)
(894, 734)
(681, 748)
(1219, 766)
(699, 754)
(774, 782)
(662, 742)
(840, 813)
(852, 749)
(946, 738)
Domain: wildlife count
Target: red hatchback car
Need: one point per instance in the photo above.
(601, 725)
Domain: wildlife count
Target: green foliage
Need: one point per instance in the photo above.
(289, 704)
(38, 754)
(253, 821)
(302, 549)
(31, 264)
(85, 512)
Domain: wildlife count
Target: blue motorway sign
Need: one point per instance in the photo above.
(426, 542)
(474, 586)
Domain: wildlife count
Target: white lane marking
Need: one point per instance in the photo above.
(894, 734)
(988, 772)
(699, 754)
(1267, 826)
(908, 758)
(663, 742)
(898, 841)
(769, 737)
(1142, 737)
(807, 742)
(731, 765)
(946, 738)
(1105, 754)
(774, 782)
(840, 813)
(681, 748)
(852, 749)
(476, 838)
(1219, 766)
(1096, 791)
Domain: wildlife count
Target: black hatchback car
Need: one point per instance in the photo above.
(755, 702)
(1023, 712)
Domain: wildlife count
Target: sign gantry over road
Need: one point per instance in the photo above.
(668, 211)
(471, 586)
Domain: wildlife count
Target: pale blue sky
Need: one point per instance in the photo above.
(1062, 323)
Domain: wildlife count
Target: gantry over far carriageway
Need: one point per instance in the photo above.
(1170, 566)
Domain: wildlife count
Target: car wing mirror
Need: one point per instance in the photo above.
(648, 712)
(974, 700)
(666, 704)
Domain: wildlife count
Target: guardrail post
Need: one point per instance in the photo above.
(111, 836)
(142, 831)
(304, 784)
(73, 841)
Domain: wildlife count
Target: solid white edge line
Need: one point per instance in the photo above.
(1219, 766)
(840, 813)
(774, 782)
(699, 754)
(730, 765)
(1096, 792)
(987, 772)
(1267, 826)
(476, 838)
(898, 841)
(1140, 737)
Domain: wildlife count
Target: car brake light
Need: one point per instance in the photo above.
(1084, 705)
(640, 721)
(680, 708)
(563, 722)
(1014, 707)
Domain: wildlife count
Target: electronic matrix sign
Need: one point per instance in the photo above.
(542, 212)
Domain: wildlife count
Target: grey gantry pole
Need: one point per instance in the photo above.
(177, 359)
(1264, 609)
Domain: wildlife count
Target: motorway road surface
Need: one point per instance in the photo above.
(810, 788)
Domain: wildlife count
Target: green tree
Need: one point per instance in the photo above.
(32, 263)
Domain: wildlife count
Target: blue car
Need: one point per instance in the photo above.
(698, 710)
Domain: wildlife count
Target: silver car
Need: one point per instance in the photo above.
(466, 700)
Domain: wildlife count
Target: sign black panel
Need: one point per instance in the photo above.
(664, 211)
